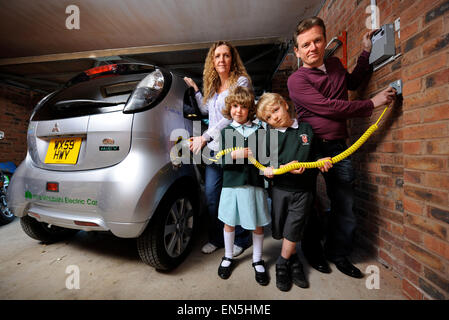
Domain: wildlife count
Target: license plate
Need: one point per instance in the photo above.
(63, 150)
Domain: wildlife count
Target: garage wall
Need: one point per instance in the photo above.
(15, 109)
(402, 188)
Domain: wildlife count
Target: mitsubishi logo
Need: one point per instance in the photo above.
(55, 128)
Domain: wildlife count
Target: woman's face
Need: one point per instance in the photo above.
(223, 59)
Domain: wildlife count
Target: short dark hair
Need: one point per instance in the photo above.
(307, 24)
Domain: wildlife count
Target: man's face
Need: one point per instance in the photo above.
(311, 47)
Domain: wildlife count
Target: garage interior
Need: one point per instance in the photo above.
(402, 189)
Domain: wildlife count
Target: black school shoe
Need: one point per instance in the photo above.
(298, 276)
(225, 272)
(283, 279)
(261, 277)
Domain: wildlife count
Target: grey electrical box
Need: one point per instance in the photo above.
(383, 44)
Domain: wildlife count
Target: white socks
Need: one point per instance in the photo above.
(229, 247)
(257, 250)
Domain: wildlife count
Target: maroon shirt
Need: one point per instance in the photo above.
(321, 99)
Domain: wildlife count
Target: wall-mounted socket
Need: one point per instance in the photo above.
(397, 85)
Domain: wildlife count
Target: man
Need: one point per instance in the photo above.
(318, 90)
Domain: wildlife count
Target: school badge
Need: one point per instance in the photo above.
(305, 139)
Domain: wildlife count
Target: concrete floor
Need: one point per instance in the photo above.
(110, 268)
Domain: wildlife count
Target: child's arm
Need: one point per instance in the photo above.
(327, 164)
(296, 171)
(241, 153)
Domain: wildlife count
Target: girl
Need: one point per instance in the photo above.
(243, 199)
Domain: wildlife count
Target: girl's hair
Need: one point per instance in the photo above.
(242, 96)
(266, 100)
(211, 80)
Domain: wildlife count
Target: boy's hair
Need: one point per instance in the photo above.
(266, 100)
(242, 96)
(307, 24)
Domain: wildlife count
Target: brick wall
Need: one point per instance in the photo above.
(15, 110)
(402, 186)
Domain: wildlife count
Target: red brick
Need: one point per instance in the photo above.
(423, 256)
(440, 146)
(424, 163)
(411, 291)
(427, 131)
(411, 57)
(435, 196)
(411, 86)
(425, 67)
(438, 213)
(386, 258)
(436, 113)
(412, 263)
(413, 206)
(415, 9)
(432, 96)
(428, 226)
(437, 180)
(409, 30)
(437, 246)
(412, 147)
(435, 45)
(422, 37)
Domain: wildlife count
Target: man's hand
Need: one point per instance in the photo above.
(295, 171)
(196, 144)
(384, 97)
(327, 164)
(366, 41)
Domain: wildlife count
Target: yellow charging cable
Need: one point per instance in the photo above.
(309, 165)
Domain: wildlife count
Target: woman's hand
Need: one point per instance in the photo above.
(241, 153)
(327, 164)
(191, 83)
(196, 144)
(295, 171)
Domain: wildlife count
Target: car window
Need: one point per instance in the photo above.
(100, 95)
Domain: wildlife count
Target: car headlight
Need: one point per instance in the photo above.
(148, 93)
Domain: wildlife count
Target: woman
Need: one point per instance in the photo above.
(223, 70)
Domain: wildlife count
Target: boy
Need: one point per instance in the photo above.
(292, 192)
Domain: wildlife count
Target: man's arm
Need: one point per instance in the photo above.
(361, 73)
(363, 69)
(304, 94)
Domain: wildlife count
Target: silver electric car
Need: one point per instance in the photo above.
(99, 160)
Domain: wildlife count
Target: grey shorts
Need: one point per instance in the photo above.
(289, 213)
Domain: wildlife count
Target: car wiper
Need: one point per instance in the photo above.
(83, 103)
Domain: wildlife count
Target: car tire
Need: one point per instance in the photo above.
(42, 232)
(6, 216)
(168, 238)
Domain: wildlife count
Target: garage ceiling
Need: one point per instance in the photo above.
(40, 53)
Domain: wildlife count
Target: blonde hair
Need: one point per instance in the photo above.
(242, 96)
(269, 99)
(211, 80)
